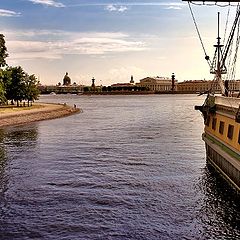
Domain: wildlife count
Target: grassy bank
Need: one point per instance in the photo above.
(12, 115)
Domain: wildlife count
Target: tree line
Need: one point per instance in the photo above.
(115, 88)
(15, 84)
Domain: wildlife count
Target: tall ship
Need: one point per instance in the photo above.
(221, 110)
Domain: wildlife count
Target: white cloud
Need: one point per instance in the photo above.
(8, 13)
(122, 9)
(119, 7)
(173, 8)
(111, 8)
(123, 74)
(23, 44)
(51, 3)
(28, 50)
(116, 8)
(59, 34)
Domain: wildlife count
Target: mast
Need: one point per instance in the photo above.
(218, 68)
(218, 64)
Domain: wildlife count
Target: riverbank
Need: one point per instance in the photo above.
(139, 93)
(38, 112)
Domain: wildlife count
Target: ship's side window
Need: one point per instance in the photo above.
(230, 131)
(221, 127)
(214, 123)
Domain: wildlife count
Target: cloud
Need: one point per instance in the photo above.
(173, 8)
(111, 8)
(8, 13)
(120, 7)
(50, 3)
(115, 8)
(118, 74)
(28, 50)
(26, 45)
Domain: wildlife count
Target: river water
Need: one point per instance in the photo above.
(127, 167)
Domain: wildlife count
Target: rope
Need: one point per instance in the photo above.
(212, 4)
(236, 52)
(229, 63)
(232, 62)
(199, 35)
(225, 31)
(233, 66)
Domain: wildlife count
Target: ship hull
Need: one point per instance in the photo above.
(222, 136)
(224, 163)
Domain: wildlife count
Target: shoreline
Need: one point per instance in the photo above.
(44, 111)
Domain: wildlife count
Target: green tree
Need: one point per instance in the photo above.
(3, 51)
(15, 84)
(86, 89)
(13, 78)
(3, 55)
(7, 82)
(3, 98)
(31, 88)
(18, 84)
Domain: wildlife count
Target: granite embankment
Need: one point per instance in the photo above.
(40, 111)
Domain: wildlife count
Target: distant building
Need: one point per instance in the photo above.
(197, 86)
(234, 85)
(157, 84)
(132, 81)
(121, 85)
(124, 85)
(66, 80)
(194, 86)
(75, 89)
(93, 82)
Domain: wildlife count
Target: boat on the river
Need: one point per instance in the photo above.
(221, 110)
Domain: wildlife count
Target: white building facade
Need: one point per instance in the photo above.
(157, 84)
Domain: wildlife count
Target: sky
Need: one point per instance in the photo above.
(109, 40)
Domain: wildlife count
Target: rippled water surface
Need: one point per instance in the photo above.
(127, 167)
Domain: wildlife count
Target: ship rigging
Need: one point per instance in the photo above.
(225, 56)
(222, 113)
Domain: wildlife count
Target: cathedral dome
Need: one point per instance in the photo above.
(66, 80)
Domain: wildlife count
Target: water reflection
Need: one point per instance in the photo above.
(220, 213)
(20, 137)
(126, 168)
(10, 139)
(3, 164)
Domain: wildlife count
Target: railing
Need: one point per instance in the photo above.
(232, 102)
